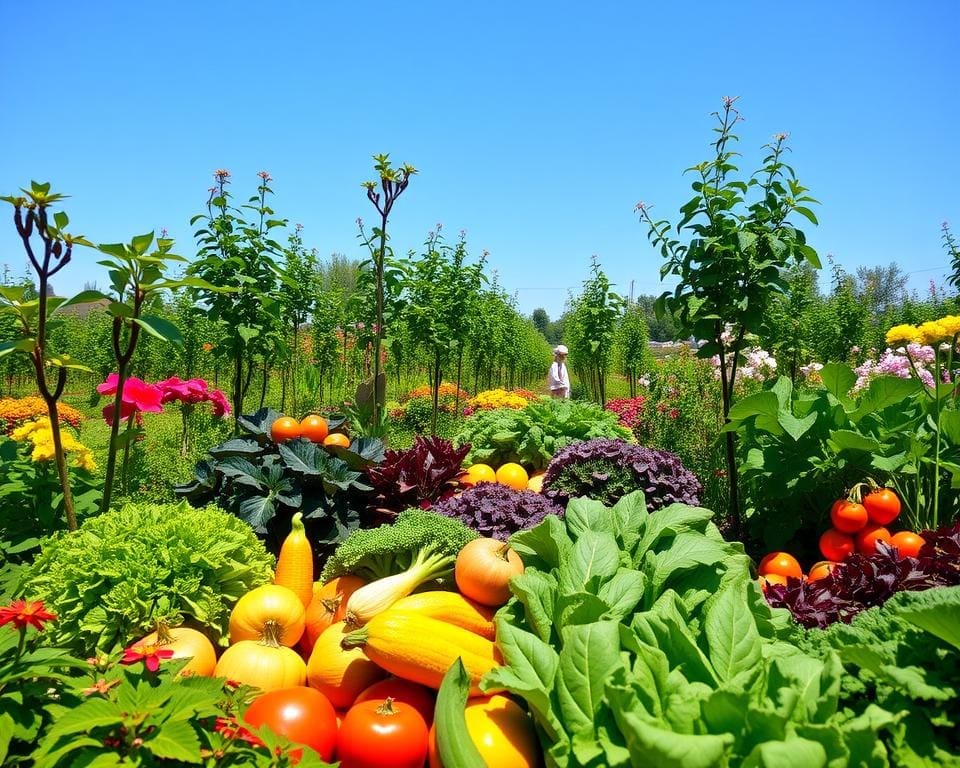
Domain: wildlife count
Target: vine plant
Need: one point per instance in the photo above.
(736, 258)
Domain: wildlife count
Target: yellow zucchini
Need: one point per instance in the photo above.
(451, 607)
(422, 649)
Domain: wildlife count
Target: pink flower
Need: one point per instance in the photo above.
(191, 391)
(150, 654)
(138, 396)
(221, 407)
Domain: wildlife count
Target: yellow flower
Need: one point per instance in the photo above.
(932, 332)
(951, 325)
(903, 333)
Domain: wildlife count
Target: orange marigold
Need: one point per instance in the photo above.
(446, 390)
(15, 411)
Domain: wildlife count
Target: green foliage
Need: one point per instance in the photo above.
(591, 332)
(123, 571)
(632, 346)
(235, 254)
(802, 448)
(28, 675)
(904, 657)
(735, 260)
(642, 639)
(373, 553)
(264, 483)
(532, 435)
(31, 500)
(131, 716)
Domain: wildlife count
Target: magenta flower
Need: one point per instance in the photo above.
(138, 396)
(221, 407)
(150, 654)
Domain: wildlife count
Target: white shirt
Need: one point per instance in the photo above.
(557, 379)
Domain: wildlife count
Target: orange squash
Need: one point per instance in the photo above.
(186, 643)
(328, 606)
(340, 674)
(269, 609)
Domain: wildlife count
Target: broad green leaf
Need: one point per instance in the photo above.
(6, 734)
(579, 608)
(247, 333)
(794, 751)
(160, 328)
(731, 631)
(687, 550)
(950, 425)
(795, 427)
(838, 379)
(848, 440)
(590, 654)
(936, 611)
(530, 670)
(65, 361)
(548, 542)
(19, 345)
(669, 522)
(623, 592)
(883, 392)
(651, 745)
(585, 514)
(758, 404)
(595, 558)
(141, 243)
(537, 592)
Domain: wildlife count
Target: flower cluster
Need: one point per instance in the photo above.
(493, 399)
(140, 397)
(38, 433)
(811, 372)
(946, 329)
(15, 411)
(629, 410)
(756, 364)
(903, 363)
(448, 390)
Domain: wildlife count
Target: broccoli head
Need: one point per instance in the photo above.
(416, 534)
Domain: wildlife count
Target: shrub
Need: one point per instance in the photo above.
(492, 399)
(15, 411)
(123, 571)
(607, 470)
(496, 511)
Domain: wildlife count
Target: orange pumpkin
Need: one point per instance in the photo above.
(483, 570)
(266, 665)
(272, 609)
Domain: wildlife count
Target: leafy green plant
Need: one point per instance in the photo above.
(264, 483)
(532, 435)
(642, 639)
(632, 346)
(30, 678)
(802, 447)
(123, 571)
(735, 260)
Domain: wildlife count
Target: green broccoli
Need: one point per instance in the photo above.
(417, 538)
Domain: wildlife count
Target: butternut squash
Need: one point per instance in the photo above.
(422, 649)
(451, 607)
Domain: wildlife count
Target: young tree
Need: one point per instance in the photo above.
(632, 345)
(736, 257)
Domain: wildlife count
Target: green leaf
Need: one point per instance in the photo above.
(793, 751)
(731, 631)
(175, 741)
(688, 550)
(537, 591)
(456, 748)
(61, 220)
(595, 558)
(950, 426)
(885, 391)
(758, 404)
(6, 734)
(795, 427)
(548, 542)
(651, 745)
(247, 333)
(141, 243)
(19, 345)
(84, 297)
(160, 328)
(838, 379)
(936, 611)
(848, 440)
(590, 654)
(623, 592)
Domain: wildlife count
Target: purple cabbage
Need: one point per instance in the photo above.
(607, 469)
(497, 511)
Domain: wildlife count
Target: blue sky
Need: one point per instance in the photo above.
(536, 127)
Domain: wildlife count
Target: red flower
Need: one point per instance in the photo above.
(150, 654)
(231, 729)
(21, 613)
(101, 686)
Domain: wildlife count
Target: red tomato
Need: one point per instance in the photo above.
(836, 545)
(382, 734)
(782, 563)
(303, 715)
(883, 506)
(907, 543)
(867, 538)
(417, 696)
(849, 517)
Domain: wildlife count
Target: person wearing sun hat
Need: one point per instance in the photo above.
(558, 380)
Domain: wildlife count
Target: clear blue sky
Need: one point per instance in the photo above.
(536, 126)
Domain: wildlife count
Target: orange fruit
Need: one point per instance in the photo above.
(821, 570)
(836, 545)
(867, 538)
(513, 476)
(285, 428)
(908, 543)
(337, 438)
(849, 517)
(772, 578)
(478, 473)
(314, 428)
(782, 564)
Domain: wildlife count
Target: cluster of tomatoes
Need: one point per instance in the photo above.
(312, 427)
(860, 520)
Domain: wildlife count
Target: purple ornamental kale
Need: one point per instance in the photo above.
(606, 469)
(497, 511)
